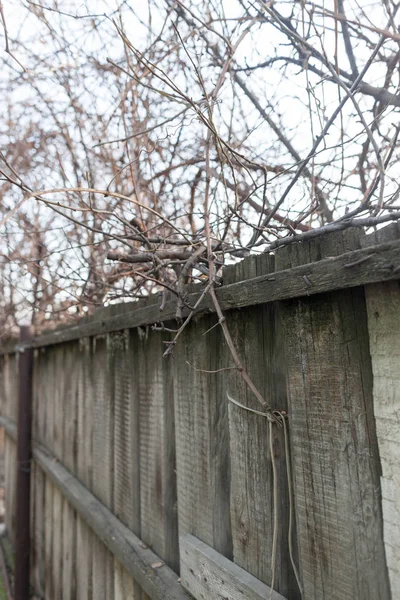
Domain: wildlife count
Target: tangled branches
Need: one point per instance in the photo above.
(142, 149)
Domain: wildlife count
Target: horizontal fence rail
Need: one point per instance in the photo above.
(373, 264)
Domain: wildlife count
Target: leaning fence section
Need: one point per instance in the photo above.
(163, 478)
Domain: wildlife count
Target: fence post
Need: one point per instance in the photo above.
(22, 522)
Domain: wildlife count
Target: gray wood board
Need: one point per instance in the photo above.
(122, 376)
(259, 339)
(158, 503)
(202, 435)
(160, 582)
(335, 460)
(354, 268)
(208, 575)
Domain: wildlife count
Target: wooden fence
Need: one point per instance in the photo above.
(148, 482)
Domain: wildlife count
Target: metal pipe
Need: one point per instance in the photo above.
(24, 452)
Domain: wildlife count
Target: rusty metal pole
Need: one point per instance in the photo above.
(23, 495)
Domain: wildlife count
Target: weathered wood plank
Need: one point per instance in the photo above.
(38, 530)
(161, 583)
(70, 553)
(383, 306)
(69, 398)
(125, 586)
(258, 338)
(66, 406)
(47, 390)
(103, 422)
(84, 466)
(57, 535)
(354, 268)
(48, 541)
(10, 386)
(39, 394)
(253, 513)
(333, 446)
(123, 354)
(103, 462)
(126, 429)
(208, 575)
(10, 465)
(102, 571)
(202, 435)
(159, 523)
(84, 583)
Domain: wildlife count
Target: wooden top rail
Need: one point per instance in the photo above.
(372, 264)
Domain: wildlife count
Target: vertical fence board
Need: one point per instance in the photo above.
(103, 457)
(68, 410)
(38, 530)
(60, 383)
(383, 303)
(48, 540)
(157, 452)
(10, 403)
(334, 449)
(202, 437)
(40, 395)
(126, 447)
(10, 466)
(70, 374)
(258, 340)
(125, 587)
(252, 485)
(84, 468)
(84, 561)
(69, 552)
(126, 433)
(38, 523)
(57, 535)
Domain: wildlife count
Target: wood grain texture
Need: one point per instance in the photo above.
(160, 583)
(10, 466)
(69, 398)
(48, 540)
(126, 482)
(123, 360)
(383, 305)
(57, 545)
(159, 523)
(84, 582)
(9, 391)
(69, 552)
(103, 461)
(9, 386)
(258, 338)
(69, 422)
(202, 436)
(38, 530)
(351, 269)
(208, 575)
(39, 395)
(125, 586)
(333, 446)
(85, 406)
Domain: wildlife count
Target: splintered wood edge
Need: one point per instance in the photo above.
(372, 264)
(151, 573)
(207, 574)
